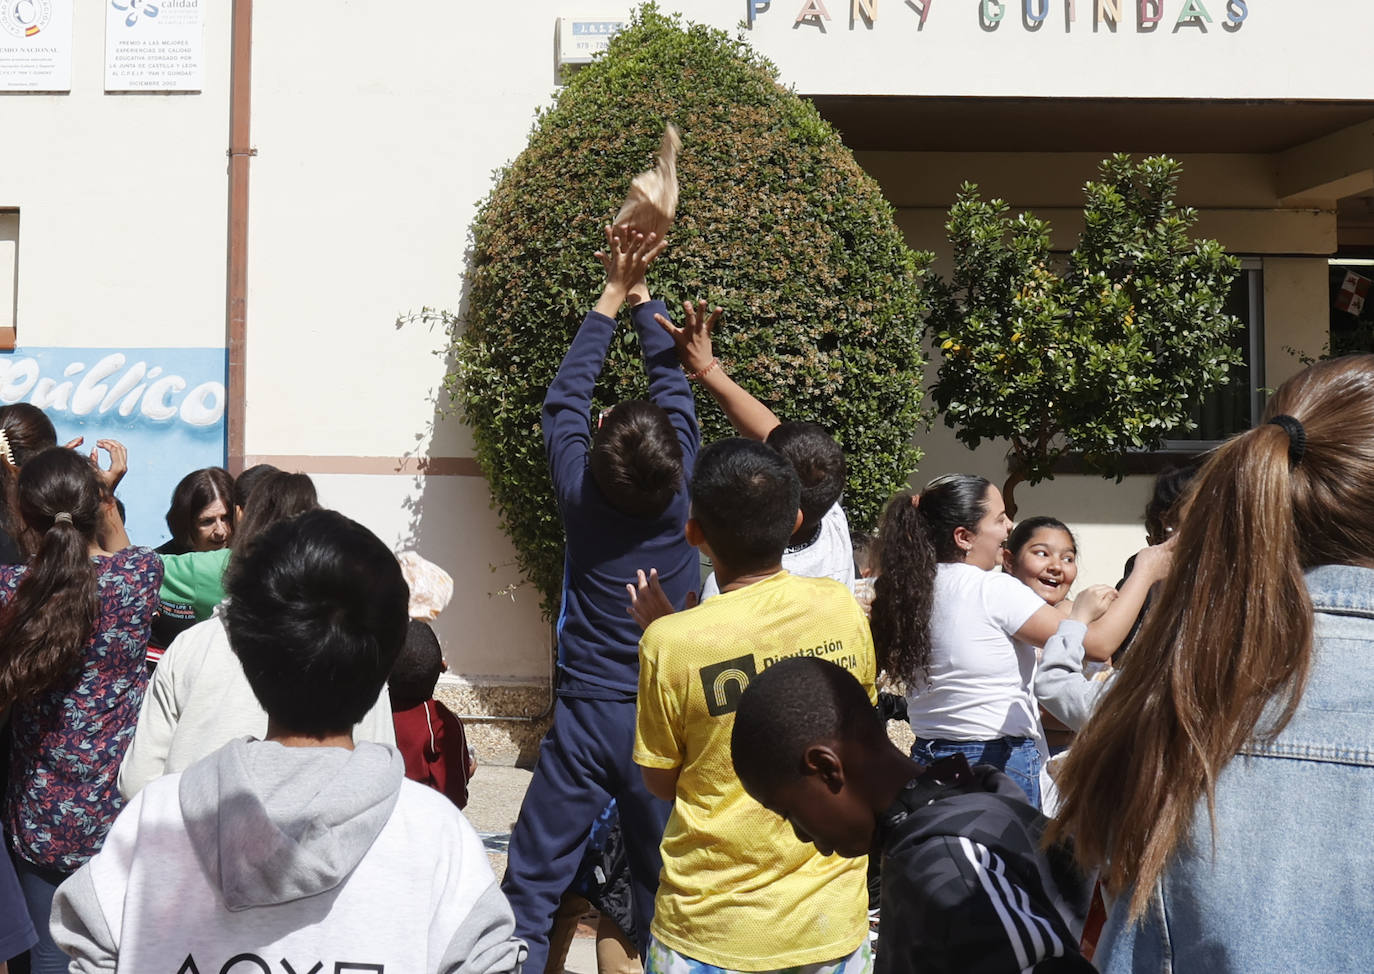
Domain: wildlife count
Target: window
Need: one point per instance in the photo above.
(1237, 405)
(9, 275)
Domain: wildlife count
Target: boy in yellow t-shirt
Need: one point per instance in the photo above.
(738, 891)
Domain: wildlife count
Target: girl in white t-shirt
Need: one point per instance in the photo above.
(958, 634)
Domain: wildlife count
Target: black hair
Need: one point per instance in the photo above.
(1024, 530)
(636, 459)
(416, 670)
(283, 495)
(745, 497)
(28, 431)
(193, 494)
(819, 463)
(250, 478)
(317, 615)
(1161, 513)
(46, 626)
(790, 706)
(912, 540)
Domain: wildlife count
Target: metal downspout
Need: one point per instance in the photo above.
(240, 151)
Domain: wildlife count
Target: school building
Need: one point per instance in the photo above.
(213, 213)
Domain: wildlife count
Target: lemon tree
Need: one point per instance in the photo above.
(1098, 352)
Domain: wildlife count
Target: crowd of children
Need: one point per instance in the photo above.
(90, 731)
(755, 714)
(283, 792)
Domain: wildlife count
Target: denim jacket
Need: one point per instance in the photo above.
(1289, 884)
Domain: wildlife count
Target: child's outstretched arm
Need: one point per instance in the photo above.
(564, 419)
(668, 387)
(746, 414)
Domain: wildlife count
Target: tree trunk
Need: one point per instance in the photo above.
(1014, 476)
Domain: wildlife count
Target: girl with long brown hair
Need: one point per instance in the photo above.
(74, 624)
(1225, 784)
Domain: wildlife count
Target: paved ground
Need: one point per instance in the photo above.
(493, 801)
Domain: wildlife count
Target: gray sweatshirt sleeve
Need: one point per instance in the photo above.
(485, 943)
(146, 757)
(1060, 685)
(78, 926)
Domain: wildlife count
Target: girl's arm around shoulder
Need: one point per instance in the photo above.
(1017, 610)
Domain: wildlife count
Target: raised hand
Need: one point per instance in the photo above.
(648, 601)
(693, 339)
(119, 463)
(628, 255)
(1156, 560)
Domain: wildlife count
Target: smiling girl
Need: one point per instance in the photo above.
(960, 635)
(1043, 555)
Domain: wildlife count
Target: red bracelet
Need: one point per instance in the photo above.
(702, 372)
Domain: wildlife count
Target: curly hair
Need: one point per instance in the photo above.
(916, 534)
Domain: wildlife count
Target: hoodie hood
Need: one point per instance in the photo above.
(273, 824)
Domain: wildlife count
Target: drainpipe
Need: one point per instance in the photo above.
(240, 151)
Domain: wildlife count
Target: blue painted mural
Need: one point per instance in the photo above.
(165, 404)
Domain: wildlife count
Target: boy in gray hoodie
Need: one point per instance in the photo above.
(301, 852)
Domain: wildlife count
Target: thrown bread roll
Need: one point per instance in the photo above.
(652, 201)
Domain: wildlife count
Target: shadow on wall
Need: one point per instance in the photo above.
(497, 645)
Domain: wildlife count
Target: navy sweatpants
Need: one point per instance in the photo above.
(584, 761)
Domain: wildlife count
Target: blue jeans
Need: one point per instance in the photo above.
(39, 884)
(1018, 757)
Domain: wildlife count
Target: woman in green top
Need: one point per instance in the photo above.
(193, 581)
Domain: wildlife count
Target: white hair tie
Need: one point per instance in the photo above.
(61, 517)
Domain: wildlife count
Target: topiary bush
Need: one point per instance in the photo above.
(776, 223)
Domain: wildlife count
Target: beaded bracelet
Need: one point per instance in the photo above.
(705, 371)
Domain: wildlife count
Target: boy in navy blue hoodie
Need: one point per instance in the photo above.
(622, 497)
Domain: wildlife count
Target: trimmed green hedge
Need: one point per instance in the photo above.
(776, 223)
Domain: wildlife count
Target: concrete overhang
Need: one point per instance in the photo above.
(1175, 126)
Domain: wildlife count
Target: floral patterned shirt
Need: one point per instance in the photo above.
(68, 741)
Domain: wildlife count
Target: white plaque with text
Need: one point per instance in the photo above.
(35, 45)
(154, 45)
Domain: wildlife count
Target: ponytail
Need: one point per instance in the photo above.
(1230, 631)
(903, 591)
(916, 534)
(47, 624)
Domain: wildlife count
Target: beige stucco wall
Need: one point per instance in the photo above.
(121, 202)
